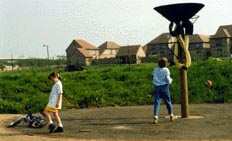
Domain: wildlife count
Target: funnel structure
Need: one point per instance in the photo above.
(179, 16)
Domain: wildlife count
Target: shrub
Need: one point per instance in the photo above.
(110, 85)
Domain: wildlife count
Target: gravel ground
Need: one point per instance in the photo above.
(131, 124)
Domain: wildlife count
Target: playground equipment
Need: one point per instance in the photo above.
(180, 28)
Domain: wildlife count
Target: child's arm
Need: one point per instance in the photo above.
(168, 77)
(59, 92)
(58, 100)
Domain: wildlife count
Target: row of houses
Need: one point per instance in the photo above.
(81, 52)
(199, 46)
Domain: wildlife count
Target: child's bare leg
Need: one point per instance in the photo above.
(48, 116)
(58, 119)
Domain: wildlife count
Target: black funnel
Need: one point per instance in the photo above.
(179, 12)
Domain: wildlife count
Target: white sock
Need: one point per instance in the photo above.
(50, 122)
(60, 125)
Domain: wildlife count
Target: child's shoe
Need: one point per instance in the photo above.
(172, 118)
(51, 127)
(59, 130)
(155, 120)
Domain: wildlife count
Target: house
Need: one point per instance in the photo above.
(108, 49)
(132, 54)
(4, 68)
(80, 53)
(161, 46)
(199, 46)
(221, 42)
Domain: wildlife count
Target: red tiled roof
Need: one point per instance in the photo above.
(84, 44)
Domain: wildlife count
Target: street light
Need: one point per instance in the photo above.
(180, 28)
(47, 47)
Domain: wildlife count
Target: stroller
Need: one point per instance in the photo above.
(32, 121)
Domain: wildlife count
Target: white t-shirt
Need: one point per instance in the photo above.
(57, 90)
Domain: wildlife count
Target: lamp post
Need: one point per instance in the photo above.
(47, 47)
(180, 28)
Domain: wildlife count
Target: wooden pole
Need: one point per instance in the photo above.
(184, 93)
(183, 85)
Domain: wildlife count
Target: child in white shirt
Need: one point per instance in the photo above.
(54, 104)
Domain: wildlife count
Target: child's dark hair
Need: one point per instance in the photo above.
(163, 62)
(54, 74)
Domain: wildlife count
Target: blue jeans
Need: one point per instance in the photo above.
(162, 92)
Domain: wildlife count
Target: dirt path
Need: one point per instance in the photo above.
(130, 124)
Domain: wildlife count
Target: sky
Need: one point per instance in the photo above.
(25, 25)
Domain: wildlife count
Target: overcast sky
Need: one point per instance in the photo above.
(27, 24)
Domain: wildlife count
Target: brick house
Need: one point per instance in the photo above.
(221, 42)
(80, 53)
(199, 46)
(108, 49)
(132, 54)
(159, 46)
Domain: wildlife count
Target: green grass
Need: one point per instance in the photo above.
(110, 85)
(32, 63)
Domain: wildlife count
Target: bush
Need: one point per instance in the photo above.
(110, 85)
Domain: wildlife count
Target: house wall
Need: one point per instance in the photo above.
(94, 53)
(127, 59)
(70, 51)
(75, 57)
(140, 56)
(220, 47)
(158, 49)
(108, 53)
(199, 50)
(88, 61)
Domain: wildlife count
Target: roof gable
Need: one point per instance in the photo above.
(165, 38)
(223, 32)
(84, 44)
(109, 45)
(198, 38)
(161, 39)
(128, 50)
(84, 53)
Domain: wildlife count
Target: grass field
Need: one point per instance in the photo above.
(112, 85)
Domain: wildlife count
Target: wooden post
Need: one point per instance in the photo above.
(183, 85)
(184, 93)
